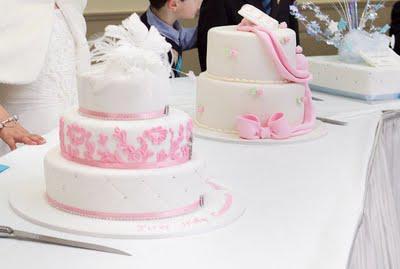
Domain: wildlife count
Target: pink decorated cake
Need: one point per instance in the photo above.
(256, 83)
(124, 154)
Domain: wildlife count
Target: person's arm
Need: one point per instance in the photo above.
(212, 14)
(14, 133)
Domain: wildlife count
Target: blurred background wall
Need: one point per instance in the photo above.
(100, 13)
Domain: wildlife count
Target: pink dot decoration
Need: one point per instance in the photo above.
(200, 109)
(234, 53)
(285, 40)
(260, 92)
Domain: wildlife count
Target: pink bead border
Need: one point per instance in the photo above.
(122, 116)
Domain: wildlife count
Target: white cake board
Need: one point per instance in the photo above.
(221, 207)
(319, 131)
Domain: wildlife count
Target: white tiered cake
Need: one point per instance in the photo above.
(245, 77)
(124, 155)
(356, 80)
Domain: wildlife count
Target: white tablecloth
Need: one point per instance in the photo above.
(305, 202)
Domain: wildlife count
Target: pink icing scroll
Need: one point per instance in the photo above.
(276, 127)
(121, 116)
(124, 216)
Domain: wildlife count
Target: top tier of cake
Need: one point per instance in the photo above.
(136, 95)
(129, 78)
(236, 56)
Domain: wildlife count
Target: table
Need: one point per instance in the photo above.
(306, 203)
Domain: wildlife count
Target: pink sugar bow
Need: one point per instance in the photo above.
(250, 127)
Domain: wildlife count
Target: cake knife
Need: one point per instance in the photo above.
(317, 99)
(7, 232)
(331, 121)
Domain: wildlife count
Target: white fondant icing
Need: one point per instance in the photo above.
(123, 191)
(220, 102)
(329, 72)
(249, 61)
(129, 93)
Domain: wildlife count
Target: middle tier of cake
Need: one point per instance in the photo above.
(140, 144)
(220, 102)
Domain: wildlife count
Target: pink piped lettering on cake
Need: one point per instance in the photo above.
(191, 222)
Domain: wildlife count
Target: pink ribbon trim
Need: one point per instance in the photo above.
(121, 116)
(124, 216)
(277, 127)
(122, 165)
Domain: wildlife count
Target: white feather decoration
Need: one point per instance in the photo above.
(130, 47)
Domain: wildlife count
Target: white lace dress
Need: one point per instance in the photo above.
(40, 103)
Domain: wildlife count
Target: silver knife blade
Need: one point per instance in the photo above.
(331, 121)
(317, 99)
(20, 235)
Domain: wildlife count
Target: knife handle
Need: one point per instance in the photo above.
(6, 232)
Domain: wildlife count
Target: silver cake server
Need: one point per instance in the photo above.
(7, 232)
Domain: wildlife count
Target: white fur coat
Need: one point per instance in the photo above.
(25, 29)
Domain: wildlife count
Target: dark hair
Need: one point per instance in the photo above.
(157, 4)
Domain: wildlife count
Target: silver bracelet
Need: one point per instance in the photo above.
(4, 123)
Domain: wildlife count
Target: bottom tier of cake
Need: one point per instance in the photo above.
(220, 102)
(123, 194)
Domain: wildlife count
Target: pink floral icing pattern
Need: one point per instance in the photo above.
(156, 147)
(156, 135)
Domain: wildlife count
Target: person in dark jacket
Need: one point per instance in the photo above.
(225, 12)
(395, 26)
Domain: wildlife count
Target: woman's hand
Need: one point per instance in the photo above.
(14, 134)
